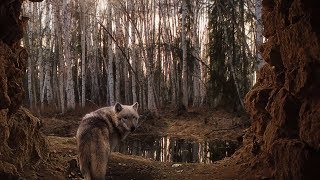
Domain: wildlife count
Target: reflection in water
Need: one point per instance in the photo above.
(166, 149)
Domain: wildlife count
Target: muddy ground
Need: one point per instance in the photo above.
(196, 125)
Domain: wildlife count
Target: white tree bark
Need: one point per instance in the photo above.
(94, 70)
(57, 26)
(196, 54)
(203, 51)
(83, 52)
(27, 43)
(38, 30)
(125, 63)
(110, 57)
(47, 84)
(46, 90)
(259, 38)
(30, 94)
(67, 56)
(133, 55)
(149, 39)
(184, 56)
(172, 73)
(117, 58)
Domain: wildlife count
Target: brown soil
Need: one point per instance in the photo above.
(63, 165)
(197, 125)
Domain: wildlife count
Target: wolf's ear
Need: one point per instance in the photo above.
(118, 107)
(135, 106)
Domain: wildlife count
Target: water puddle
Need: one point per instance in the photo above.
(167, 149)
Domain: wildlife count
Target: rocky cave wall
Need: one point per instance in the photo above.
(284, 105)
(22, 145)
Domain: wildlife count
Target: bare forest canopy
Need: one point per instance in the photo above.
(159, 53)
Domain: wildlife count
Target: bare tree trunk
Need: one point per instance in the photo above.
(133, 55)
(149, 64)
(125, 63)
(67, 56)
(29, 71)
(184, 56)
(59, 55)
(94, 70)
(61, 79)
(151, 100)
(117, 59)
(110, 57)
(47, 84)
(89, 52)
(171, 62)
(196, 54)
(55, 87)
(83, 52)
(41, 71)
(37, 28)
(117, 80)
(48, 68)
(259, 38)
(203, 53)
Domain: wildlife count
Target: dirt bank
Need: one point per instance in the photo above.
(197, 125)
(22, 145)
(194, 125)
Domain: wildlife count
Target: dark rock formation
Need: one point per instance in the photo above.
(285, 103)
(22, 144)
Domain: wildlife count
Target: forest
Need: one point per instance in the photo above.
(159, 89)
(159, 53)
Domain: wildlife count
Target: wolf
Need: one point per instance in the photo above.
(98, 134)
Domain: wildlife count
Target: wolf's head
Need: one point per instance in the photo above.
(127, 116)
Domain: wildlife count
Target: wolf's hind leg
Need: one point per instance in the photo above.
(100, 149)
(84, 159)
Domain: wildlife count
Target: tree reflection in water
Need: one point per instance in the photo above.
(167, 149)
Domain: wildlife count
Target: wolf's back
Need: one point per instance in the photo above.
(93, 147)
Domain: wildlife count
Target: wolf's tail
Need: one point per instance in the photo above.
(93, 155)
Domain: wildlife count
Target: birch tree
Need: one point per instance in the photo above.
(117, 56)
(67, 56)
(184, 55)
(110, 56)
(196, 55)
(259, 37)
(47, 87)
(83, 51)
(126, 48)
(40, 54)
(149, 37)
(59, 51)
(94, 54)
(30, 66)
(133, 51)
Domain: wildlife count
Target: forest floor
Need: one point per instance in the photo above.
(199, 125)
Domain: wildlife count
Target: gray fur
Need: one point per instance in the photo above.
(99, 132)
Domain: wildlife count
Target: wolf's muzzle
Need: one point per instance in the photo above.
(133, 128)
